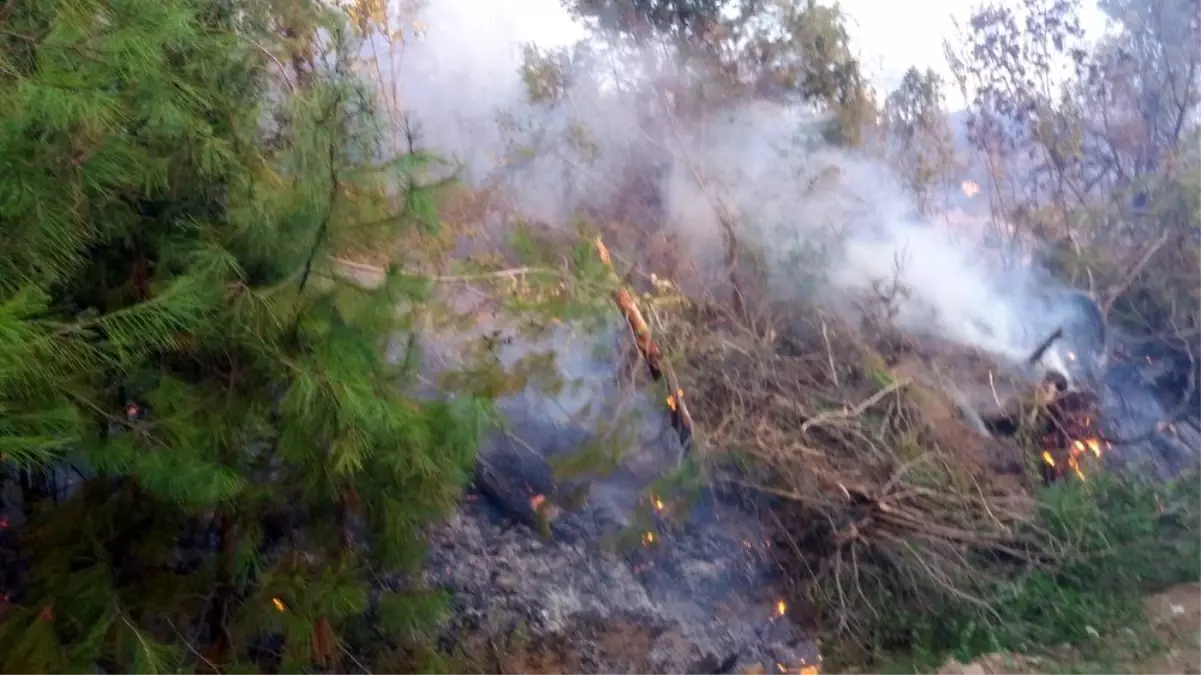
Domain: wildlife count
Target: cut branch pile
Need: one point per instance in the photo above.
(882, 489)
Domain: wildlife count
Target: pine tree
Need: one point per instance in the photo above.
(196, 408)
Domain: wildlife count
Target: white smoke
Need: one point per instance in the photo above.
(815, 211)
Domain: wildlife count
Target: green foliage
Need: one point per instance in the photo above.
(1122, 538)
(175, 336)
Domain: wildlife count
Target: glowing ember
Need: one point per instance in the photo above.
(537, 501)
(648, 538)
(1079, 448)
(805, 669)
(672, 398)
(781, 607)
(279, 604)
(658, 503)
(1092, 444)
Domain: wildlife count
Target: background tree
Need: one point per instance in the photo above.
(920, 139)
(198, 417)
(1089, 147)
(767, 49)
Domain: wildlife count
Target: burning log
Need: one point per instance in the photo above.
(681, 419)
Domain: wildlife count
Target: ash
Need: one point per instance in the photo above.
(603, 580)
(697, 599)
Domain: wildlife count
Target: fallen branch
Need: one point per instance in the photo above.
(681, 419)
(1117, 289)
(857, 410)
(1038, 353)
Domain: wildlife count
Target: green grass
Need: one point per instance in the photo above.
(1121, 538)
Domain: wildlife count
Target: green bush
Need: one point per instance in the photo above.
(1117, 539)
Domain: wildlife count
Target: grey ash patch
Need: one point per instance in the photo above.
(700, 594)
(579, 592)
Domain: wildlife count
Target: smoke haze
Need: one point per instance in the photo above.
(832, 224)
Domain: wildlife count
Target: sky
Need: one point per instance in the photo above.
(891, 35)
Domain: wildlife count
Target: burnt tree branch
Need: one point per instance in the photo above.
(681, 419)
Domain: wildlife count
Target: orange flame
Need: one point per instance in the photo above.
(673, 398)
(781, 607)
(279, 604)
(1078, 449)
(658, 503)
(648, 538)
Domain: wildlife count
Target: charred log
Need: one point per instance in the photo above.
(1041, 350)
(515, 488)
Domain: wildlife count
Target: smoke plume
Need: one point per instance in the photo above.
(832, 225)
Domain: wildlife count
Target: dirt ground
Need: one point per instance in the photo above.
(1175, 618)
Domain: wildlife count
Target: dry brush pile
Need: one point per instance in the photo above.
(887, 503)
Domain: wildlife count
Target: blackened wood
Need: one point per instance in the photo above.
(660, 370)
(512, 493)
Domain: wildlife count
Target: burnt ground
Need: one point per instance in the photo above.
(1150, 408)
(565, 594)
(598, 579)
(608, 587)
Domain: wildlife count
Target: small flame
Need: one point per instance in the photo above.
(537, 501)
(658, 503)
(648, 538)
(1089, 444)
(804, 669)
(673, 398)
(279, 604)
(781, 607)
(1079, 448)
